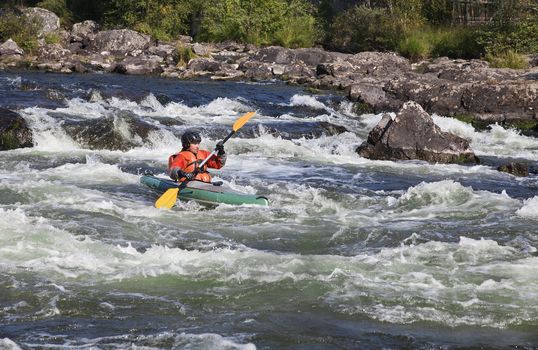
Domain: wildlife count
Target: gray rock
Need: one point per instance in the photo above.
(203, 64)
(414, 135)
(46, 20)
(516, 169)
(84, 32)
(53, 51)
(10, 48)
(202, 49)
(120, 41)
(121, 132)
(14, 132)
(140, 65)
(275, 54)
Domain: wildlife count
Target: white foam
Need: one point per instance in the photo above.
(529, 209)
(497, 141)
(306, 100)
(8, 344)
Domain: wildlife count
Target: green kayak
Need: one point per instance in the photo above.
(203, 192)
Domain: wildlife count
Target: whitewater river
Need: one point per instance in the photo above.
(351, 253)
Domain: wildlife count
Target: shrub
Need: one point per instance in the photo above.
(364, 29)
(16, 26)
(184, 55)
(290, 23)
(507, 59)
(52, 38)
(416, 45)
(457, 42)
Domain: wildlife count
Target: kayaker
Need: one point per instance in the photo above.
(184, 165)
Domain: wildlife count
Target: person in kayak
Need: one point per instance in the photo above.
(184, 165)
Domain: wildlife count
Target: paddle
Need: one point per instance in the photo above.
(169, 198)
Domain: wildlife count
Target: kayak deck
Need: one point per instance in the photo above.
(203, 192)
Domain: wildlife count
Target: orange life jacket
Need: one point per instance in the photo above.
(189, 162)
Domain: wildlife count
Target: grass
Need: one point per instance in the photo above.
(507, 59)
(427, 42)
(184, 55)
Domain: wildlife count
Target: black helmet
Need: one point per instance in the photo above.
(190, 137)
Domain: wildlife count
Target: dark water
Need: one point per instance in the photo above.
(351, 253)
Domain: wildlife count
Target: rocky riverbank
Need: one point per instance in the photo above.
(378, 82)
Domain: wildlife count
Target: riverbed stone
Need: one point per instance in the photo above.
(14, 131)
(413, 135)
(515, 168)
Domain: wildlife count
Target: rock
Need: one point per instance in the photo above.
(14, 132)
(84, 32)
(140, 65)
(120, 41)
(162, 50)
(121, 132)
(275, 54)
(372, 97)
(516, 169)
(257, 70)
(203, 64)
(46, 20)
(382, 64)
(324, 69)
(414, 135)
(201, 49)
(185, 39)
(10, 48)
(53, 52)
(315, 56)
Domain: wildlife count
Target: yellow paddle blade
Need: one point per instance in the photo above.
(168, 199)
(242, 121)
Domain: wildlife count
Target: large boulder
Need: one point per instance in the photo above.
(10, 48)
(120, 41)
(14, 132)
(84, 32)
(46, 20)
(413, 135)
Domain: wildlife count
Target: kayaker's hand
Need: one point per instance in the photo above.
(188, 176)
(220, 148)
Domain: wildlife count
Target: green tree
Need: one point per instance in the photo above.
(262, 22)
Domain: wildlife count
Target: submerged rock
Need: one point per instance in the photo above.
(516, 169)
(121, 132)
(414, 135)
(14, 132)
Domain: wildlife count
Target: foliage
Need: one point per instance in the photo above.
(52, 38)
(514, 28)
(457, 42)
(162, 19)
(507, 59)
(362, 29)
(59, 7)
(416, 45)
(183, 55)
(289, 23)
(437, 12)
(17, 27)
